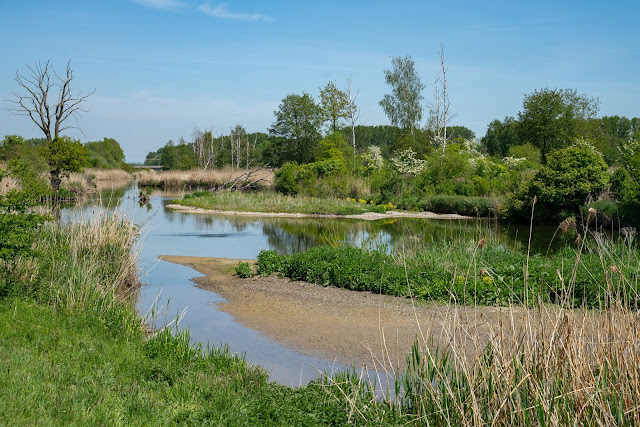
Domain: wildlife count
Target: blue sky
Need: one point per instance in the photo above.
(162, 67)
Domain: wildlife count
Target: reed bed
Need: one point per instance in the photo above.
(89, 263)
(201, 178)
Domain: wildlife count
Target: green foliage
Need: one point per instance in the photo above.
(335, 105)
(64, 156)
(105, 154)
(18, 226)
(29, 151)
(552, 118)
(528, 152)
(296, 130)
(403, 106)
(243, 270)
(177, 157)
(501, 136)
(285, 179)
(379, 136)
(561, 187)
(455, 271)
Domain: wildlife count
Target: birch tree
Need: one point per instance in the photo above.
(353, 116)
(404, 105)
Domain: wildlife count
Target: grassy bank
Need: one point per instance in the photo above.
(75, 352)
(275, 202)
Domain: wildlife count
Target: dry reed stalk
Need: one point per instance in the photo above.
(195, 178)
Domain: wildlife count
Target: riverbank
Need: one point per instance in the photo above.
(368, 216)
(74, 351)
(351, 327)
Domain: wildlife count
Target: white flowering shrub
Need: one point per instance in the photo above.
(406, 163)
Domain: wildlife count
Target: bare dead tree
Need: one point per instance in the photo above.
(440, 115)
(446, 105)
(34, 102)
(353, 116)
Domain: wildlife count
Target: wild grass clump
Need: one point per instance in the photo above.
(88, 264)
(202, 178)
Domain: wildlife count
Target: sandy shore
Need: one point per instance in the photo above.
(348, 326)
(370, 216)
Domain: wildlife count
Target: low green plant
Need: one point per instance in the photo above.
(243, 270)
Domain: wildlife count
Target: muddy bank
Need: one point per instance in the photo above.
(336, 324)
(370, 216)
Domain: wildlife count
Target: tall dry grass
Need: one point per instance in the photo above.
(200, 178)
(547, 365)
(89, 263)
(92, 180)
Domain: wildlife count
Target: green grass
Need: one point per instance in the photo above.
(62, 367)
(73, 350)
(276, 202)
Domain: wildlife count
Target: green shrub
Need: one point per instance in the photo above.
(561, 187)
(243, 270)
(285, 179)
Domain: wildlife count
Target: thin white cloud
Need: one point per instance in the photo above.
(161, 4)
(221, 11)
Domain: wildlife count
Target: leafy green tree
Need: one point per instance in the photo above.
(105, 154)
(460, 132)
(15, 147)
(177, 157)
(296, 130)
(551, 118)
(335, 105)
(403, 106)
(64, 156)
(500, 136)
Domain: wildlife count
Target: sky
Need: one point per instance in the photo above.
(161, 68)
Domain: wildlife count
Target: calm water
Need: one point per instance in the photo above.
(169, 289)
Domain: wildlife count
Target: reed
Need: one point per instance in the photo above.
(90, 263)
(200, 178)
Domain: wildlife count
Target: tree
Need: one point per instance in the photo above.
(296, 130)
(52, 118)
(335, 105)
(105, 154)
(353, 116)
(551, 118)
(35, 101)
(404, 105)
(500, 136)
(439, 112)
(64, 155)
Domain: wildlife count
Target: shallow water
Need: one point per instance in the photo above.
(169, 290)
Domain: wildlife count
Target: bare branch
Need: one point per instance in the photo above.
(34, 102)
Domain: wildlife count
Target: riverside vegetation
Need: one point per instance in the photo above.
(575, 361)
(75, 351)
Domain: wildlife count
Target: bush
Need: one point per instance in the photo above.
(572, 175)
(243, 270)
(285, 179)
